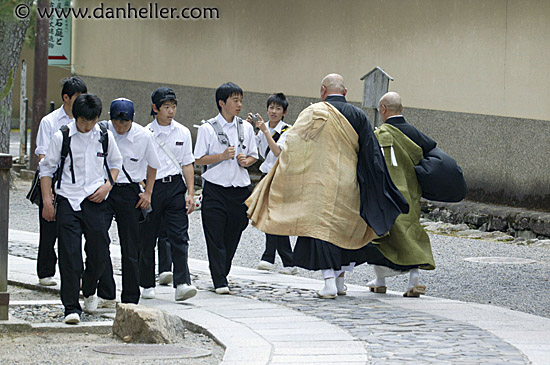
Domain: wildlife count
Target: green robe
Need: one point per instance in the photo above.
(407, 243)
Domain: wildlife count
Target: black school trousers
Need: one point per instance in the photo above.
(71, 225)
(168, 202)
(281, 244)
(223, 220)
(121, 204)
(46, 260)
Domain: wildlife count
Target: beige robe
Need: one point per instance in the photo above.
(312, 189)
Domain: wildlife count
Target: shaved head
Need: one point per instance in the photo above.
(332, 84)
(392, 101)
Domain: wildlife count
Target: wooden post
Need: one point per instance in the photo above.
(376, 84)
(23, 115)
(5, 166)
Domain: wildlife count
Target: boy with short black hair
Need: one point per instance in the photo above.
(81, 190)
(72, 87)
(226, 146)
(270, 141)
(170, 203)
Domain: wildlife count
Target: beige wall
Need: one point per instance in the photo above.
(474, 56)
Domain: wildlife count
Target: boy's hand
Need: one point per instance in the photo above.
(48, 211)
(228, 153)
(241, 158)
(258, 123)
(144, 200)
(190, 203)
(99, 195)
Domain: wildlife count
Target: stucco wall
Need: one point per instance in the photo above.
(483, 57)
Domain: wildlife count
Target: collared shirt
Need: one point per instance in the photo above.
(138, 151)
(47, 128)
(178, 139)
(88, 166)
(228, 172)
(261, 141)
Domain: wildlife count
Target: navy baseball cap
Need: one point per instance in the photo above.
(161, 95)
(122, 109)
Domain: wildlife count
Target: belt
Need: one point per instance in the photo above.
(123, 184)
(169, 179)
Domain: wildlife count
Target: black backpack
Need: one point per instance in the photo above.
(66, 150)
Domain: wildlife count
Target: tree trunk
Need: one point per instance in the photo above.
(12, 37)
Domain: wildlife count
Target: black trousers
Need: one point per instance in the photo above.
(121, 204)
(281, 244)
(168, 202)
(163, 252)
(223, 220)
(71, 225)
(45, 266)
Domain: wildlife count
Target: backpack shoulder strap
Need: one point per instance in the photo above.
(240, 129)
(104, 139)
(220, 134)
(65, 150)
(276, 137)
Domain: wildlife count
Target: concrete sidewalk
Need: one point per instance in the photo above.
(276, 319)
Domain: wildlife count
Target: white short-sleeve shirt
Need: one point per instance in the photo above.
(177, 138)
(87, 163)
(261, 140)
(47, 128)
(228, 172)
(138, 151)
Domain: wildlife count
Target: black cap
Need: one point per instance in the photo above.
(122, 109)
(161, 95)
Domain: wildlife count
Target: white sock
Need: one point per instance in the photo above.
(328, 273)
(329, 288)
(414, 278)
(340, 287)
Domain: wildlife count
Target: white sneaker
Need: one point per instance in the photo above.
(222, 290)
(289, 270)
(106, 303)
(49, 281)
(165, 278)
(90, 304)
(73, 318)
(185, 291)
(264, 265)
(148, 293)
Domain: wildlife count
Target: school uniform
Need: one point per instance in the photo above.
(47, 258)
(168, 203)
(138, 151)
(76, 215)
(273, 243)
(223, 195)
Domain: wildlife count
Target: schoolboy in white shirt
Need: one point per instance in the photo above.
(170, 203)
(270, 139)
(226, 181)
(127, 199)
(46, 260)
(80, 201)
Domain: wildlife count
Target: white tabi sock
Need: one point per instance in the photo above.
(329, 288)
(414, 278)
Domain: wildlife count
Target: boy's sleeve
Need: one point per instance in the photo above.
(151, 155)
(49, 163)
(114, 158)
(188, 157)
(201, 147)
(282, 140)
(43, 137)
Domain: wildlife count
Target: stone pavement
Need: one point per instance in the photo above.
(276, 319)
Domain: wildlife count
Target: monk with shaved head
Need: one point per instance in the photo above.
(330, 187)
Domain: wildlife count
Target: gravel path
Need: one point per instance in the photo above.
(522, 287)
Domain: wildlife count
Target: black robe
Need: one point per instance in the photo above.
(381, 201)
